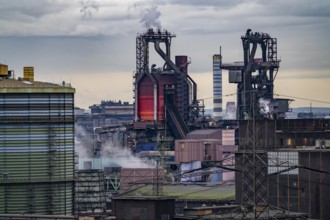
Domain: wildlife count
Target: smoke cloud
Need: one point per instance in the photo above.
(89, 7)
(83, 144)
(266, 108)
(150, 18)
(123, 156)
(230, 111)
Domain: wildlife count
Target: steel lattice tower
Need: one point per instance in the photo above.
(157, 183)
(253, 161)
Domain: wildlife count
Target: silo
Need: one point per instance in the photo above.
(36, 147)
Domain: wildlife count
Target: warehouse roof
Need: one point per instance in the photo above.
(21, 85)
(191, 191)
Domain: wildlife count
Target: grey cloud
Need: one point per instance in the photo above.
(89, 7)
(269, 7)
(33, 8)
(309, 8)
(222, 3)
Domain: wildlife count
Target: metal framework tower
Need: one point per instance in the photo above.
(157, 183)
(183, 82)
(254, 74)
(253, 160)
(266, 67)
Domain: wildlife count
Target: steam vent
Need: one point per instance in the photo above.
(36, 146)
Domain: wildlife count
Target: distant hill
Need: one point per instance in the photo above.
(314, 109)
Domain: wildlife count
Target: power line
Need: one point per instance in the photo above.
(307, 99)
(276, 94)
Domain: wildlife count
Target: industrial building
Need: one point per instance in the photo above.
(255, 76)
(275, 172)
(276, 167)
(165, 96)
(297, 158)
(36, 145)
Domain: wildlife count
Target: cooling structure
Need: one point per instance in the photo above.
(36, 147)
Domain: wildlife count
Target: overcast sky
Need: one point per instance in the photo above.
(91, 43)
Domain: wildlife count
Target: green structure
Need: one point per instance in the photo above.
(36, 147)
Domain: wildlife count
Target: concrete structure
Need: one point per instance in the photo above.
(90, 196)
(36, 147)
(217, 87)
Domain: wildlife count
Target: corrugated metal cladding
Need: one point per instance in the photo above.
(304, 190)
(228, 137)
(36, 151)
(146, 99)
(199, 150)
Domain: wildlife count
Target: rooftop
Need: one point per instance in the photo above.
(20, 85)
(191, 191)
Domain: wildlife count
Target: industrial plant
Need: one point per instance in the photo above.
(162, 157)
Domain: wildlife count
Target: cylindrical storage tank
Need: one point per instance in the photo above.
(29, 73)
(3, 70)
(146, 99)
(36, 148)
(163, 81)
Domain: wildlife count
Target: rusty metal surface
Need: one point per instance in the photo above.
(198, 150)
(132, 178)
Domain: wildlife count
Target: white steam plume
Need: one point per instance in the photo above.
(150, 18)
(230, 111)
(266, 108)
(122, 156)
(89, 7)
(83, 144)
